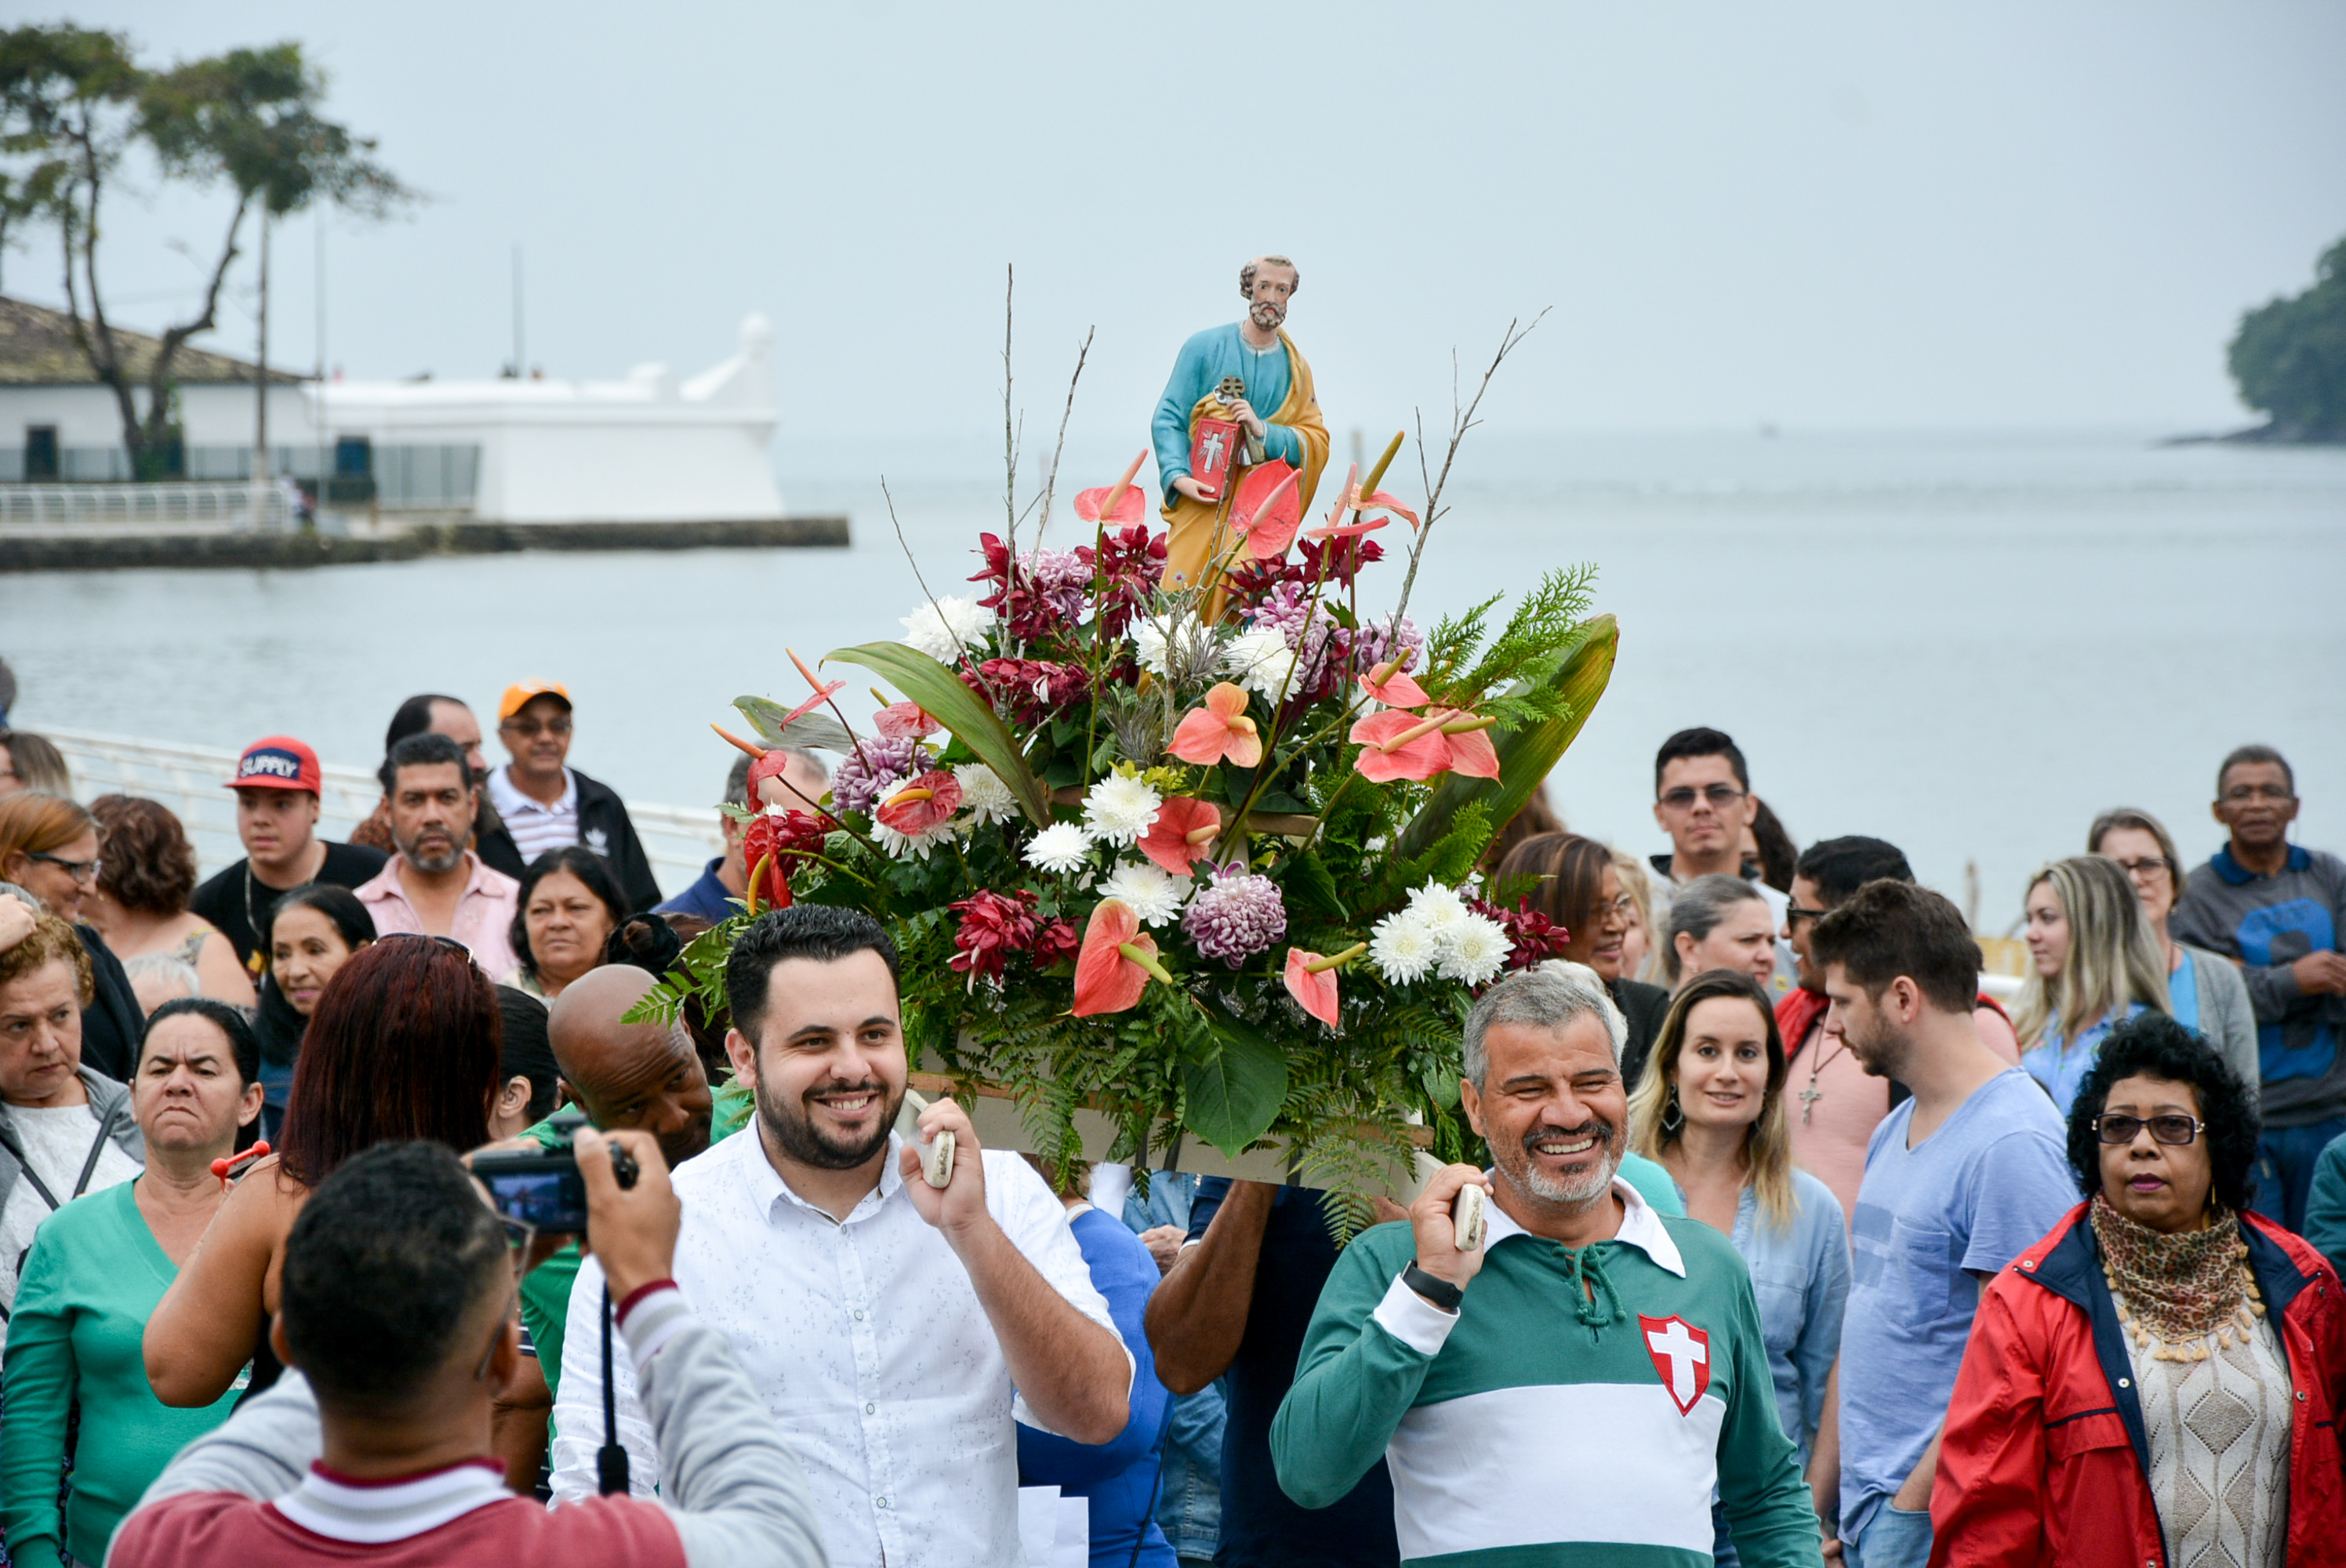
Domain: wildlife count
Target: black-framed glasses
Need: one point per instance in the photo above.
(1794, 912)
(2172, 1128)
(1682, 798)
(2146, 866)
(83, 872)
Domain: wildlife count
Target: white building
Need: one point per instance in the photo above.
(650, 448)
(647, 449)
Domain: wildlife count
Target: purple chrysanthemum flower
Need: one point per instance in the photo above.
(1237, 916)
(876, 763)
(1285, 608)
(1061, 578)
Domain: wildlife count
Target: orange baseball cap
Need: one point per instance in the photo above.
(521, 691)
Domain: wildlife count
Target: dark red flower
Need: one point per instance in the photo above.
(1055, 942)
(1530, 935)
(1131, 563)
(783, 839)
(992, 928)
(1034, 689)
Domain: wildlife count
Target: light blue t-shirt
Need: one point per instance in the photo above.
(2183, 993)
(2061, 1066)
(1985, 1187)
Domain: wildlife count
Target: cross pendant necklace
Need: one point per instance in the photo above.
(1809, 1098)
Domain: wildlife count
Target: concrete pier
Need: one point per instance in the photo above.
(67, 551)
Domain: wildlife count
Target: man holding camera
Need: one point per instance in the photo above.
(887, 1315)
(397, 1327)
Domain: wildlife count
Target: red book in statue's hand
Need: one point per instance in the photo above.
(1214, 448)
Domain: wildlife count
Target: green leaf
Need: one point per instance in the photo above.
(1233, 1098)
(1310, 883)
(1526, 754)
(818, 729)
(943, 697)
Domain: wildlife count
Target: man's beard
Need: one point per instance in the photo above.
(435, 864)
(1267, 314)
(1572, 1193)
(1881, 1057)
(794, 1134)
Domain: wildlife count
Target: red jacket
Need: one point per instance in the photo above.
(2044, 1459)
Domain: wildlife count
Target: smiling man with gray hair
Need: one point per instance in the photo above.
(1601, 1315)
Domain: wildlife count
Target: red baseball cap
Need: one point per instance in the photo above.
(278, 762)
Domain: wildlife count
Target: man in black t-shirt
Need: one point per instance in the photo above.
(277, 784)
(1235, 1305)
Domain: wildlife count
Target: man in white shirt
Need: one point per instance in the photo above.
(887, 1323)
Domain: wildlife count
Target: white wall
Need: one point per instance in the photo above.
(208, 415)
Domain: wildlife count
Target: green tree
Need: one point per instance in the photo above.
(2290, 357)
(73, 103)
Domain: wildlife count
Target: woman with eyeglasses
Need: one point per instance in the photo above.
(1576, 883)
(48, 847)
(2093, 967)
(2159, 1380)
(404, 1044)
(2204, 990)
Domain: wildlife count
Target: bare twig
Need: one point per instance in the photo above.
(902, 543)
(1009, 435)
(1461, 421)
(1051, 480)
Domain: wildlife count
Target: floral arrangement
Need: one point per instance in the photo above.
(1202, 857)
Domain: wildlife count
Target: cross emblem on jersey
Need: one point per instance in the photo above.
(1682, 1354)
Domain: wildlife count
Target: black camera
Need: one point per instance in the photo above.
(545, 1191)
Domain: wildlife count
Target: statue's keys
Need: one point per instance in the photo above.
(1232, 388)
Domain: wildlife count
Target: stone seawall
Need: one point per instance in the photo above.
(84, 552)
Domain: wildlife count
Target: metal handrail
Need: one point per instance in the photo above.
(679, 840)
(195, 506)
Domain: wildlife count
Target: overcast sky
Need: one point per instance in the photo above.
(1924, 216)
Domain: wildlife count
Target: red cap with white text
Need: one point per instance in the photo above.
(278, 762)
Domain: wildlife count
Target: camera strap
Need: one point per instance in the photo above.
(611, 1464)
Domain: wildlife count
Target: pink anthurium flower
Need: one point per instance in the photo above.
(905, 721)
(1397, 745)
(1182, 835)
(1354, 502)
(1218, 729)
(1112, 505)
(1117, 962)
(1267, 511)
(1469, 738)
(926, 802)
(1389, 684)
(1311, 980)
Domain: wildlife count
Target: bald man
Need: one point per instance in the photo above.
(642, 1076)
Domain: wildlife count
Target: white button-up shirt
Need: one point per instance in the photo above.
(866, 1339)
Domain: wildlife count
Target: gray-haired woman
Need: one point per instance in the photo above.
(1719, 922)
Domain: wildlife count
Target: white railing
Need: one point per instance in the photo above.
(191, 508)
(187, 779)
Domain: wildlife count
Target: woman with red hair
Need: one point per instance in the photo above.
(404, 1044)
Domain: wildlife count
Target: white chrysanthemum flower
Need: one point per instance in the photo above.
(1059, 848)
(984, 798)
(1119, 809)
(898, 845)
(1149, 645)
(1478, 950)
(1402, 948)
(1261, 660)
(943, 629)
(1154, 896)
(1440, 909)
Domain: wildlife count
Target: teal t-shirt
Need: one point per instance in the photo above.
(91, 1280)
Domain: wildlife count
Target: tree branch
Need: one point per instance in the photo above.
(1461, 421)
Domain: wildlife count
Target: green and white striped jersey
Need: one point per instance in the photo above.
(1577, 1408)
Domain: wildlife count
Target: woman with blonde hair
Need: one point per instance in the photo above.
(48, 847)
(1710, 1108)
(2096, 965)
(2204, 990)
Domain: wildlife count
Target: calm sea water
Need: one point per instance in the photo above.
(1966, 643)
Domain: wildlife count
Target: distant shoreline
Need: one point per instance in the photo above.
(2265, 434)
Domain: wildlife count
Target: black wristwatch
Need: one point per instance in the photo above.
(1439, 1291)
